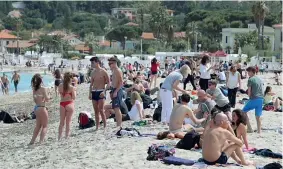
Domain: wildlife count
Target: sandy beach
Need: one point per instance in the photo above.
(102, 149)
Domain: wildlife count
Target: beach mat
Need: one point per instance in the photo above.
(178, 161)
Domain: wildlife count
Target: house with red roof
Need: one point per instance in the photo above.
(6, 37)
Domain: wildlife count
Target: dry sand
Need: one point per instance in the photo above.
(90, 149)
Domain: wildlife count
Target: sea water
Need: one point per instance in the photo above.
(25, 81)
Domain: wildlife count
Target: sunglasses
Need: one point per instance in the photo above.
(110, 63)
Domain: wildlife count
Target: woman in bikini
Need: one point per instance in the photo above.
(40, 97)
(58, 80)
(239, 126)
(68, 95)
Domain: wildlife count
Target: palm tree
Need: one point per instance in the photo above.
(259, 10)
(92, 42)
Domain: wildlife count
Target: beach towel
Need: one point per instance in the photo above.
(159, 152)
(178, 161)
(268, 153)
(189, 141)
(268, 107)
(140, 123)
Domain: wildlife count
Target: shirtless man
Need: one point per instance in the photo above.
(215, 146)
(97, 90)
(5, 84)
(16, 78)
(116, 89)
(179, 113)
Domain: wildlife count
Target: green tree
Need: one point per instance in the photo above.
(236, 24)
(179, 46)
(119, 34)
(259, 10)
(92, 42)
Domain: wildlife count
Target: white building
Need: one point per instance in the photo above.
(5, 39)
(228, 35)
(278, 37)
(72, 40)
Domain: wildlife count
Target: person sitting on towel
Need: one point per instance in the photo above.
(136, 113)
(179, 113)
(219, 144)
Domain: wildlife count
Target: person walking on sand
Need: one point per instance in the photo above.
(5, 84)
(68, 95)
(40, 97)
(116, 93)
(170, 84)
(97, 90)
(215, 145)
(16, 78)
(233, 83)
(256, 97)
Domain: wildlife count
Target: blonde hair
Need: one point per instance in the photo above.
(135, 96)
(185, 70)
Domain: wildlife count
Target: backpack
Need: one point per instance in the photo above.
(189, 141)
(128, 132)
(157, 113)
(84, 121)
(157, 152)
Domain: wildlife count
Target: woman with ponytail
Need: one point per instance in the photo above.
(68, 95)
(40, 97)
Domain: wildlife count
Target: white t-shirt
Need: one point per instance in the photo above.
(134, 113)
(222, 76)
(204, 73)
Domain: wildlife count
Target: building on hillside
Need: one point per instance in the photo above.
(130, 13)
(228, 35)
(57, 33)
(23, 45)
(5, 39)
(180, 35)
(148, 36)
(278, 37)
(15, 14)
(82, 48)
(170, 12)
(72, 40)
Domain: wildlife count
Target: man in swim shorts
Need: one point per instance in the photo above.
(255, 92)
(215, 145)
(5, 84)
(178, 115)
(16, 78)
(116, 89)
(97, 90)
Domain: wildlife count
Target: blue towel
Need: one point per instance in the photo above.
(178, 161)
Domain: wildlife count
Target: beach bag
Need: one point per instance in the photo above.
(268, 107)
(132, 132)
(157, 113)
(84, 121)
(157, 152)
(189, 141)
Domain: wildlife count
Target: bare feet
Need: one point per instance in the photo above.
(248, 163)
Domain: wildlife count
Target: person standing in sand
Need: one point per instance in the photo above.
(68, 95)
(179, 113)
(215, 145)
(256, 97)
(97, 90)
(16, 78)
(116, 93)
(40, 97)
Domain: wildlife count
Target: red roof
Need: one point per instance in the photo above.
(22, 44)
(219, 53)
(81, 47)
(277, 25)
(5, 34)
(147, 36)
(179, 34)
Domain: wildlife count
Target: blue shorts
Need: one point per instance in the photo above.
(96, 95)
(254, 104)
(117, 101)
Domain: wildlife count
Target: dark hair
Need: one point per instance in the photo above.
(204, 59)
(241, 117)
(113, 59)
(251, 69)
(160, 85)
(36, 81)
(138, 73)
(267, 89)
(95, 59)
(67, 80)
(153, 61)
(162, 135)
(232, 68)
(185, 98)
(57, 74)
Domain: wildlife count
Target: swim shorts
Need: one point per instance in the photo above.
(96, 95)
(254, 104)
(221, 160)
(118, 100)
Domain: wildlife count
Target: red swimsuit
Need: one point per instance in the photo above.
(65, 103)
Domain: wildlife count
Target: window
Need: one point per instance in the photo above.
(226, 39)
(7, 42)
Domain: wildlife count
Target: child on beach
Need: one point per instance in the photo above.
(40, 97)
